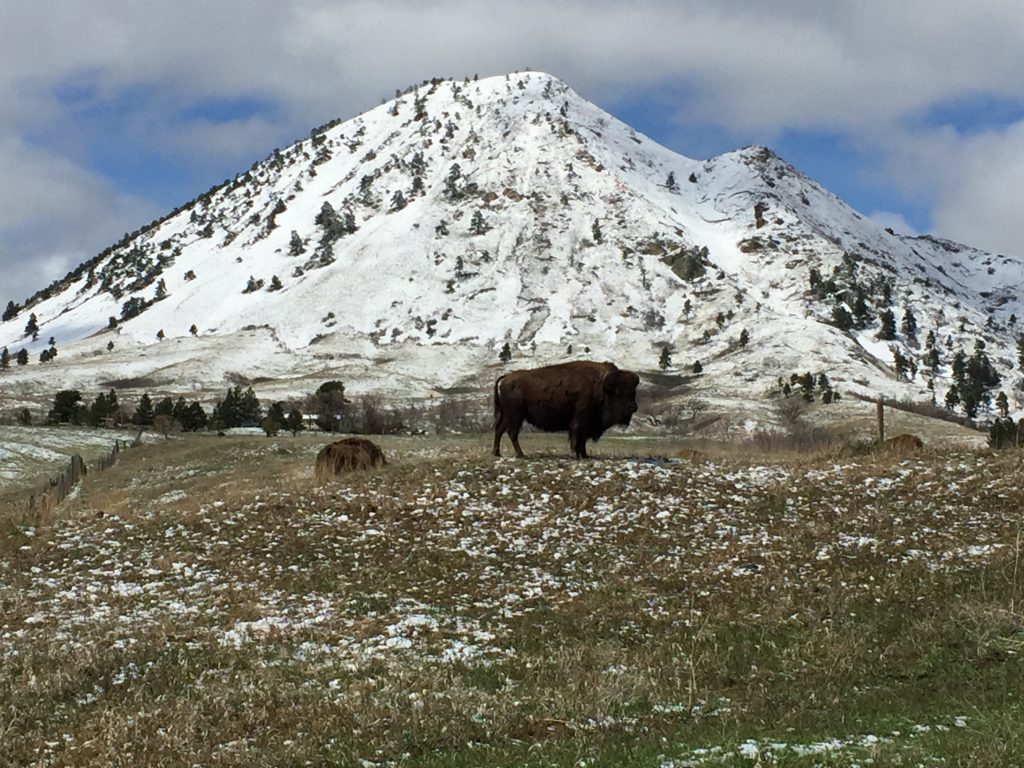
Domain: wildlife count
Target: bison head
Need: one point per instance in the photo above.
(619, 397)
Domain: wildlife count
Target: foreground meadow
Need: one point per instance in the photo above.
(204, 603)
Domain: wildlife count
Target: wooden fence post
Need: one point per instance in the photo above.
(880, 420)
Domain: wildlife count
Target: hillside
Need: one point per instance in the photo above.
(400, 250)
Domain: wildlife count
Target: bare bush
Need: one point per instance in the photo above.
(460, 415)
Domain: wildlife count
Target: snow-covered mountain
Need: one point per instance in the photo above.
(401, 250)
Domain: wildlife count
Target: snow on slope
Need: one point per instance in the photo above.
(470, 214)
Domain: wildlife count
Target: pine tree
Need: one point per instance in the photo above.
(506, 353)
(841, 317)
(952, 398)
(11, 312)
(32, 327)
(193, 330)
(238, 409)
(102, 408)
(959, 367)
(160, 335)
(180, 408)
(887, 323)
(1003, 433)
(908, 326)
(164, 408)
(275, 284)
(276, 412)
(110, 346)
(900, 363)
(1020, 352)
(294, 422)
(161, 290)
(67, 407)
(143, 416)
(814, 282)
(665, 359)
(697, 367)
(477, 225)
(398, 201)
(274, 419)
(194, 418)
(861, 310)
(978, 379)
(807, 387)
(596, 231)
(22, 357)
(670, 182)
(1002, 404)
(451, 183)
(744, 337)
(295, 246)
(5, 359)
(329, 404)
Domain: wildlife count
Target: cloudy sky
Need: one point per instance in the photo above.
(115, 111)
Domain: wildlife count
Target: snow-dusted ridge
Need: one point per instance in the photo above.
(580, 242)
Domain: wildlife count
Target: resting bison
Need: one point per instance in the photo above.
(903, 444)
(347, 454)
(582, 397)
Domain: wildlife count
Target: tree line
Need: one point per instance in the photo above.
(327, 407)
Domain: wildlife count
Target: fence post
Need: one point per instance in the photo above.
(880, 419)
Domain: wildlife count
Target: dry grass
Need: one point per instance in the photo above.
(206, 603)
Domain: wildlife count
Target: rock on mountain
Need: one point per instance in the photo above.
(402, 249)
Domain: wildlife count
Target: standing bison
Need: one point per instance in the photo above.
(584, 398)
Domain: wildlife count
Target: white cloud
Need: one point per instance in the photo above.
(980, 199)
(894, 221)
(53, 216)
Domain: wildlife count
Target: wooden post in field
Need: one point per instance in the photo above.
(880, 420)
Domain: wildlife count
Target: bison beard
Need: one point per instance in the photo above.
(584, 398)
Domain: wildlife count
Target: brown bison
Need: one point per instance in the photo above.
(904, 444)
(582, 397)
(348, 454)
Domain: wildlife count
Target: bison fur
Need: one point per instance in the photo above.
(904, 444)
(346, 455)
(582, 397)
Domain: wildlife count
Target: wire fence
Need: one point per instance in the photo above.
(60, 486)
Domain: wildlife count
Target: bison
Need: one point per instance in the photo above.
(902, 445)
(582, 397)
(343, 455)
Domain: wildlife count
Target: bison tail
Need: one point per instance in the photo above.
(497, 400)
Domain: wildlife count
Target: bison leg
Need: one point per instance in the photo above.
(499, 430)
(502, 425)
(513, 433)
(577, 441)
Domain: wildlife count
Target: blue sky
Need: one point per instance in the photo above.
(911, 112)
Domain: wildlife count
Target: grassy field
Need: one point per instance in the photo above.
(205, 603)
(30, 456)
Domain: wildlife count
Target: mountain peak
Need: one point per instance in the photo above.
(412, 242)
